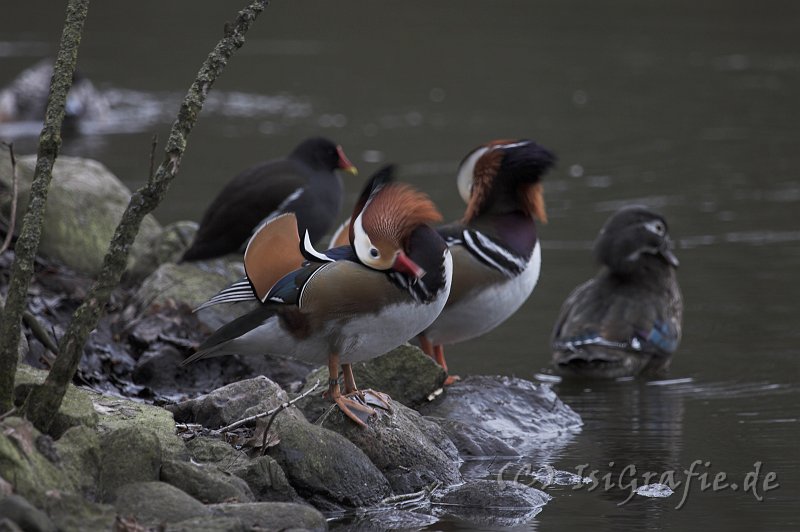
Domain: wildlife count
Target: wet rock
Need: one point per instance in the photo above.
(26, 516)
(76, 408)
(491, 503)
(84, 206)
(166, 246)
(409, 450)
(406, 374)
(127, 455)
(519, 412)
(274, 515)
(472, 441)
(378, 520)
(324, 467)
(154, 503)
(205, 483)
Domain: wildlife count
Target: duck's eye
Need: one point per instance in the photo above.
(374, 253)
(657, 227)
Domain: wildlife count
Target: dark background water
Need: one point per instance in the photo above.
(688, 107)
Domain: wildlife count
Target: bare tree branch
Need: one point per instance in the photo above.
(14, 198)
(43, 402)
(28, 242)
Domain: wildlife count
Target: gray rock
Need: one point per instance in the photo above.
(213, 450)
(266, 479)
(7, 525)
(472, 441)
(127, 455)
(208, 484)
(519, 412)
(154, 503)
(25, 515)
(85, 204)
(409, 450)
(318, 463)
(406, 374)
(232, 403)
(274, 515)
(167, 246)
(324, 467)
(209, 524)
(263, 474)
(192, 283)
(491, 503)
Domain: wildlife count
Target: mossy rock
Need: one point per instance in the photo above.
(208, 484)
(192, 284)
(32, 473)
(117, 413)
(76, 408)
(127, 454)
(154, 503)
(274, 516)
(85, 204)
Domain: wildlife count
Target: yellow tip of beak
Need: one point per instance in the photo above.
(351, 170)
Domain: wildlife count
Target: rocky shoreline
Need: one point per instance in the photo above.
(137, 444)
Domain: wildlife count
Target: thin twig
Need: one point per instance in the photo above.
(275, 410)
(14, 196)
(9, 413)
(40, 332)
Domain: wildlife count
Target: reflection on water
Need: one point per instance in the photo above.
(689, 108)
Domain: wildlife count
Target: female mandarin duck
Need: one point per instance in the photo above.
(350, 303)
(305, 183)
(496, 253)
(627, 319)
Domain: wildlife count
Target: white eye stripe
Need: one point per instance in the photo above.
(656, 227)
(512, 145)
(466, 172)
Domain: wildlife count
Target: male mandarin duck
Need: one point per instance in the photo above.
(627, 319)
(305, 183)
(496, 252)
(350, 303)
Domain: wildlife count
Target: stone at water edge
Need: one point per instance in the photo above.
(521, 413)
(321, 465)
(411, 451)
(490, 503)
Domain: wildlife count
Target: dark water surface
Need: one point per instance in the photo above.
(689, 107)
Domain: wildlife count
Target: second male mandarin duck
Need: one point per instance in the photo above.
(350, 303)
(627, 319)
(496, 252)
(305, 183)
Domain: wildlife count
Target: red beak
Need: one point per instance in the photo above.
(344, 162)
(405, 265)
